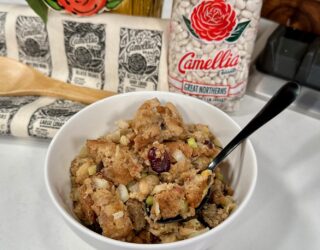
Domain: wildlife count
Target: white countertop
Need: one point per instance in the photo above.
(283, 213)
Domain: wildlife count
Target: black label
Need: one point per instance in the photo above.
(9, 106)
(3, 47)
(85, 49)
(139, 58)
(46, 121)
(33, 43)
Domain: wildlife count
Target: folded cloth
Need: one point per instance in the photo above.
(112, 52)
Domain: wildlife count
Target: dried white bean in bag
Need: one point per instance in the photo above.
(240, 4)
(210, 47)
(246, 14)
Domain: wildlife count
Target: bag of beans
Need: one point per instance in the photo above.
(211, 42)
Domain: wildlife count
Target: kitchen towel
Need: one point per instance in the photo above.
(108, 51)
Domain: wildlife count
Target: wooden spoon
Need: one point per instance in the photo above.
(17, 79)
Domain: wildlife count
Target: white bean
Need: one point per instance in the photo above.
(200, 73)
(231, 81)
(256, 14)
(245, 46)
(242, 53)
(205, 57)
(198, 51)
(240, 46)
(189, 78)
(185, 4)
(250, 33)
(254, 22)
(178, 29)
(217, 80)
(252, 6)
(182, 10)
(240, 4)
(242, 40)
(183, 35)
(208, 48)
(183, 42)
(195, 43)
(212, 75)
(232, 2)
(206, 79)
(188, 10)
(246, 14)
(189, 47)
(224, 82)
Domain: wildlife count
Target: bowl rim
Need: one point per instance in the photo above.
(137, 246)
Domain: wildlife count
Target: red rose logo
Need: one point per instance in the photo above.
(213, 20)
(82, 7)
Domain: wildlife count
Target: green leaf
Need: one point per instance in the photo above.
(188, 24)
(237, 32)
(111, 4)
(40, 8)
(53, 4)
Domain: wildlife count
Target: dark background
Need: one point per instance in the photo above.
(299, 14)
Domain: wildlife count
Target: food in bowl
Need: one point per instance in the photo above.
(152, 167)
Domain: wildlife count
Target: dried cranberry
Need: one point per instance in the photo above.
(208, 143)
(100, 166)
(163, 126)
(161, 164)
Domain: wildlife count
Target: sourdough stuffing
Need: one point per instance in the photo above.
(152, 167)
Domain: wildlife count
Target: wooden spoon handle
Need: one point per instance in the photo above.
(74, 93)
(64, 91)
(18, 79)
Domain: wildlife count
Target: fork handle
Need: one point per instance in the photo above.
(281, 100)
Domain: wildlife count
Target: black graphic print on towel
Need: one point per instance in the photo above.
(3, 46)
(85, 50)
(139, 58)
(46, 121)
(9, 106)
(33, 43)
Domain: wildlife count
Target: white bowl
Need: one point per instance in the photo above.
(99, 118)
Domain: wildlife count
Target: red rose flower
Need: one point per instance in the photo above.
(213, 20)
(82, 7)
